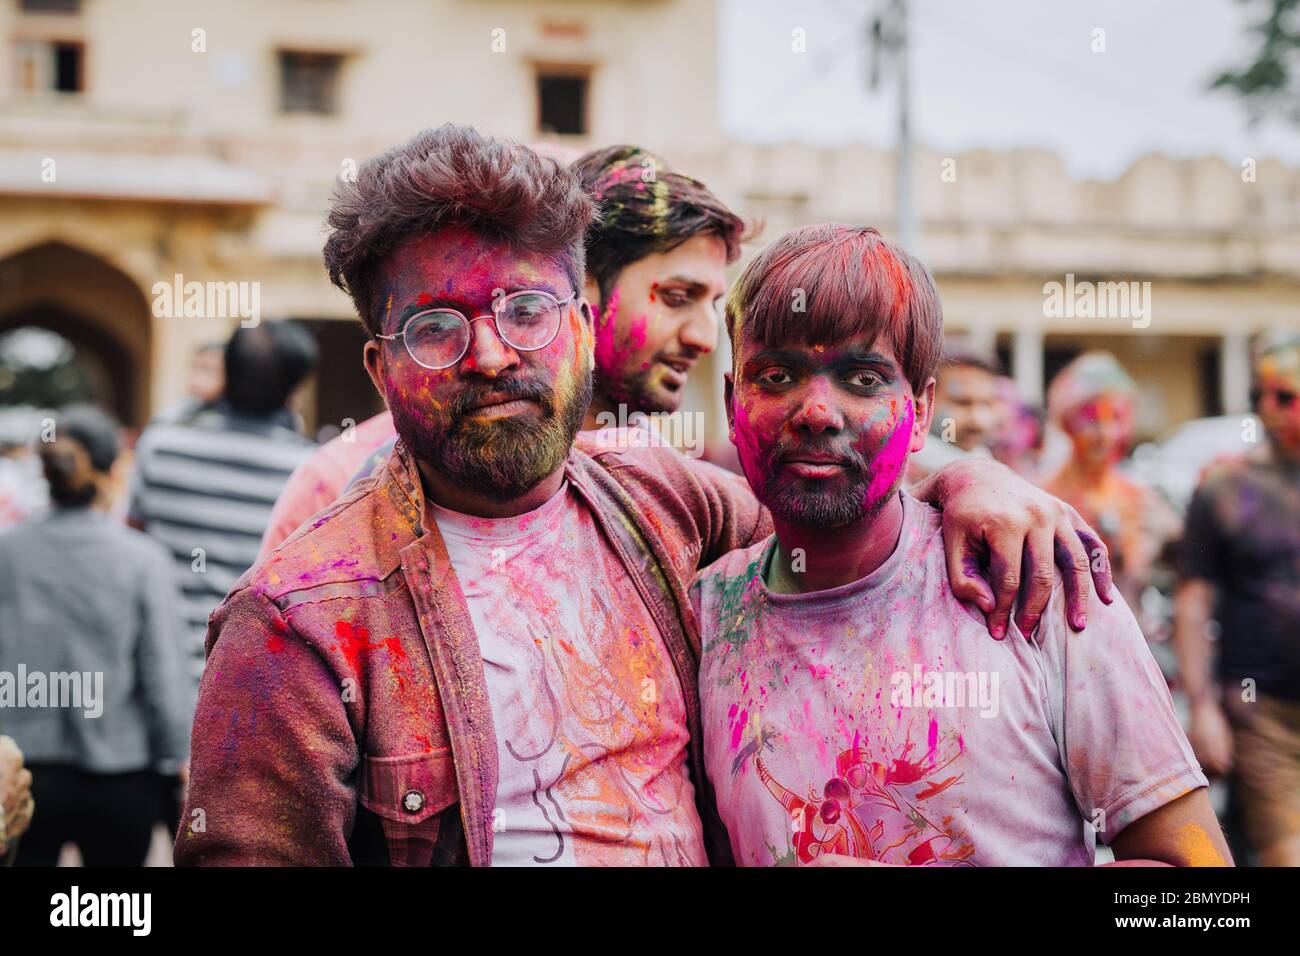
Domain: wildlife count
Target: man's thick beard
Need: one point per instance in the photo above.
(501, 459)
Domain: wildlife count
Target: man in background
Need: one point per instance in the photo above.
(1241, 568)
(204, 485)
(968, 409)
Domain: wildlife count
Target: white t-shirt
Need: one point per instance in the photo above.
(880, 720)
(589, 716)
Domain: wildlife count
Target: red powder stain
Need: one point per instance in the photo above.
(568, 648)
(934, 788)
(353, 641)
(394, 645)
(424, 298)
(653, 286)
(425, 742)
(275, 644)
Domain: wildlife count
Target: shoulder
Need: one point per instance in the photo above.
(355, 542)
(660, 474)
(734, 569)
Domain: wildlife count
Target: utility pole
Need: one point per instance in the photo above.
(889, 47)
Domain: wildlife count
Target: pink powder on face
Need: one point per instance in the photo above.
(606, 348)
(637, 333)
(891, 459)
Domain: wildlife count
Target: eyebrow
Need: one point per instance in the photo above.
(853, 356)
(463, 305)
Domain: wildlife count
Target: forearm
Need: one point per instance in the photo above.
(1193, 605)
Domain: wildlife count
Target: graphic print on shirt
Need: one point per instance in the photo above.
(873, 806)
(589, 717)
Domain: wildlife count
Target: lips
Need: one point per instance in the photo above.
(500, 404)
(807, 464)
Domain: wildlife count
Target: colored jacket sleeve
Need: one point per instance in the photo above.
(710, 504)
(274, 758)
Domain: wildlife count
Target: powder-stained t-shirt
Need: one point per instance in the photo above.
(880, 720)
(589, 715)
(1243, 534)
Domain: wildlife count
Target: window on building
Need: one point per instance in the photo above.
(51, 6)
(309, 82)
(562, 103)
(45, 65)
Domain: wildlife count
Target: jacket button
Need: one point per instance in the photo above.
(413, 801)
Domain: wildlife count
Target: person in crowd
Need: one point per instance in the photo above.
(88, 633)
(16, 803)
(204, 485)
(1241, 581)
(207, 382)
(1094, 401)
(968, 410)
(850, 709)
(1018, 440)
(484, 653)
(656, 271)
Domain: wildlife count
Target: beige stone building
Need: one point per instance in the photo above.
(144, 141)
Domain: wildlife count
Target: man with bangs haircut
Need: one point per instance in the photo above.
(482, 653)
(851, 713)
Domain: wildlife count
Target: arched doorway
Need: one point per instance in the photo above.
(96, 309)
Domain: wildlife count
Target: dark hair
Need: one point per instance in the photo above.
(452, 175)
(85, 446)
(265, 363)
(961, 354)
(828, 282)
(646, 208)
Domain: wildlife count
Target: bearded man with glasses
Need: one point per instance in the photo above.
(485, 653)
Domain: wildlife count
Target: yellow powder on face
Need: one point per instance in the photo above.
(1195, 846)
(388, 310)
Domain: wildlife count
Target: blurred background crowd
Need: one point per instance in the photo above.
(148, 145)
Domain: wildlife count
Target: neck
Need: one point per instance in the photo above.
(833, 557)
(453, 497)
(1089, 472)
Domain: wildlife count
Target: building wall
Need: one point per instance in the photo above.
(177, 161)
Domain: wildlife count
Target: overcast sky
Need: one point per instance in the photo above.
(1002, 74)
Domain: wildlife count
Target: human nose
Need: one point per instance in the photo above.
(487, 354)
(700, 331)
(817, 412)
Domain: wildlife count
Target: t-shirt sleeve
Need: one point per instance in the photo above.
(1120, 741)
(1202, 548)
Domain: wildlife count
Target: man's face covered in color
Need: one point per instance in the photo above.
(660, 316)
(499, 420)
(824, 431)
(1277, 386)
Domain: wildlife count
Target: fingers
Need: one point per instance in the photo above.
(1076, 574)
(965, 574)
(1098, 559)
(1037, 578)
(1005, 557)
